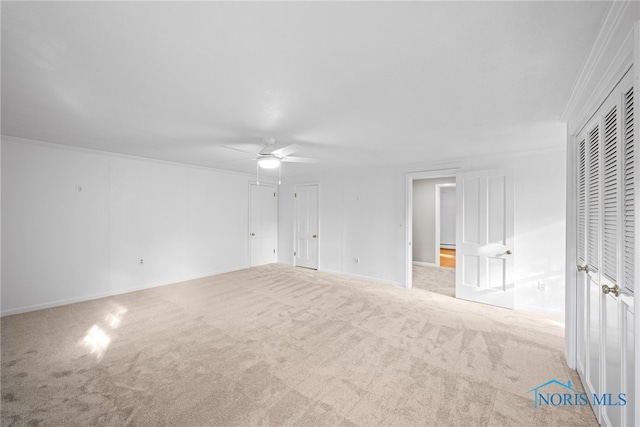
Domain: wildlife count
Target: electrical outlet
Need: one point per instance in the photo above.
(541, 285)
(141, 261)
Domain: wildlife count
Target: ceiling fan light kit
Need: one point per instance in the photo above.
(269, 162)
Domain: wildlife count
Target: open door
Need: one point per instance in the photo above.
(484, 242)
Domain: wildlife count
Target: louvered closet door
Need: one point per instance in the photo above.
(591, 280)
(606, 247)
(581, 282)
(627, 251)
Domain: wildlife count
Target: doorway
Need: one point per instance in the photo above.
(484, 234)
(430, 212)
(445, 225)
(421, 220)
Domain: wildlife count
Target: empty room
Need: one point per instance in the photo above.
(323, 213)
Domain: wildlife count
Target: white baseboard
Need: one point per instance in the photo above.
(360, 276)
(447, 246)
(107, 294)
(425, 264)
(539, 310)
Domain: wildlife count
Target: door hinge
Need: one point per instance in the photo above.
(294, 253)
(274, 251)
(295, 194)
(274, 194)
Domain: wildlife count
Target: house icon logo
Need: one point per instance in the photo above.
(537, 390)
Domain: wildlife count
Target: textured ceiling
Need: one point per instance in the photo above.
(356, 84)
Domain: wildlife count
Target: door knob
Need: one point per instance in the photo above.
(253, 234)
(314, 236)
(584, 268)
(606, 289)
(508, 252)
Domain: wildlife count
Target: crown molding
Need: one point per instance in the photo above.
(113, 154)
(590, 89)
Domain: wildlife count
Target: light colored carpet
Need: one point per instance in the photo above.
(278, 345)
(440, 280)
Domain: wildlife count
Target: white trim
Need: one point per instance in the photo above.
(534, 309)
(425, 264)
(615, 72)
(53, 145)
(367, 278)
(409, 178)
(447, 246)
(465, 162)
(436, 231)
(107, 294)
(570, 320)
(636, 126)
(590, 90)
(608, 30)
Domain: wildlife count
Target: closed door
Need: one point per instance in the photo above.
(606, 257)
(262, 225)
(306, 226)
(484, 239)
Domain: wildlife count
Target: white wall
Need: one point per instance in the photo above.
(362, 214)
(539, 227)
(61, 245)
(424, 218)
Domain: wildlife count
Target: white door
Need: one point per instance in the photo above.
(484, 241)
(306, 226)
(606, 257)
(262, 225)
(589, 310)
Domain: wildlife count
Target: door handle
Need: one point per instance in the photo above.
(584, 268)
(253, 234)
(314, 236)
(614, 290)
(508, 252)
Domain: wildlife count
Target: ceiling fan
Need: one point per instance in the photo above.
(271, 159)
(268, 158)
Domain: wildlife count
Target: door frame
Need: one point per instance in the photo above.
(409, 178)
(295, 216)
(275, 189)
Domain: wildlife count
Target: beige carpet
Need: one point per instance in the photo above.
(278, 345)
(440, 280)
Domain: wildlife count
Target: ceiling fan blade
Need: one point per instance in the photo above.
(244, 148)
(299, 160)
(285, 151)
